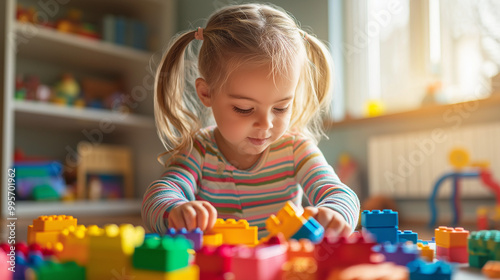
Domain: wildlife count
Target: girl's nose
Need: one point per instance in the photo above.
(264, 121)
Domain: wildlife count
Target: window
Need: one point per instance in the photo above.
(401, 54)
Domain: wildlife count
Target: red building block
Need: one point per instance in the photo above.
(262, 262)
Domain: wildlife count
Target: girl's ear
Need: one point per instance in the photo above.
(203, 92)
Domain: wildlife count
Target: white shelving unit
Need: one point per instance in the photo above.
(45, 129)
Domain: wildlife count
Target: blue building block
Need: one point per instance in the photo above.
(381, 235)
(195, 236)
(400, 254)
(311, 230)
(407, 235)
(421, 270)
(377, 218)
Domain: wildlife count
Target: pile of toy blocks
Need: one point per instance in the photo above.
(296, 248)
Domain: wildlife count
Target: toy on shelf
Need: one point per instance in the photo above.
(459, 159)
(104, 171)
(66, 91)
(31, 89)
(39, 180)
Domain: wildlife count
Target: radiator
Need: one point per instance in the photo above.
(408, 165)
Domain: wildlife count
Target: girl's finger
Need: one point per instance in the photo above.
(189, 216)
(212, 214)
(201, 216)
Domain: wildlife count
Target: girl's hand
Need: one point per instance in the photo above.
(331, 220)
(193, 214)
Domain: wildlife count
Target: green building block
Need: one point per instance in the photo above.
(483, 246)
(162, 253)
(51, 270)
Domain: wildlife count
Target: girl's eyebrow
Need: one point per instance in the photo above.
(237, 96)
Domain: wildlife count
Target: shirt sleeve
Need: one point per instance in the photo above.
(321, 185)
(177, 185)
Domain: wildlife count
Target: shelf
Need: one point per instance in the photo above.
(78, 208)
(39, 42)
(427, 111)
(35, 113)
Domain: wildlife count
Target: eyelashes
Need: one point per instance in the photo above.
(249, 111)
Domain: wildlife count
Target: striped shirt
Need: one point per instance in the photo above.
(290, 167)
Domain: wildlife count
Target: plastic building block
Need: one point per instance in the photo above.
(426, 252)
(50, 270)
(110, 250)
(212, 239)
(483, 246)
(341, 252)
(452, 254)
(75, 245)
(191, 272)
(236, 232)
(400, 254)
(491, 269)
(303, 248)
(311, 230)
(53, 223)
(214, 262)
(370, 271)
(377, 218)
(262, 262)
(383, 234)
(421, 270)
(195, 236)
(287, 221)
(407, 235)
(5, 264)
(162, 254)
(299, 268)
(451, 237)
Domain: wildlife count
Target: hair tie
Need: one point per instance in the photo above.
(199, 34)
(304, 36)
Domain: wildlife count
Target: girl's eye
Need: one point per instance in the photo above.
(281, 110)
(242, 111)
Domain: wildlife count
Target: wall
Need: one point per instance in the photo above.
(312, 15)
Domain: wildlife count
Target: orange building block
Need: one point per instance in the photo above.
(451, 237)
(75, 245)
(371, 272)
(287, 221)
(303, 248)
(426, 252)
(53, 223)
(42, 238)
(492, 269)
(300, 268)
(236, 232)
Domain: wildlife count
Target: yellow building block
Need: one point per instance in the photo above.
(236, 232)
(451, 237)
(212, 239)
(123, 238)
(53, 223)
(188, 273)
(286, 221)
(426, 252)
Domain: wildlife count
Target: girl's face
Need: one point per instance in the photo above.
(251, 111)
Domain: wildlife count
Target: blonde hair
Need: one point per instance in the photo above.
(233, 36)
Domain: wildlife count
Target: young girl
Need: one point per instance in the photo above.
(267, 83)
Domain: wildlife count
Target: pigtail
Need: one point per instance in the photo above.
(316, 82)
(176, 111)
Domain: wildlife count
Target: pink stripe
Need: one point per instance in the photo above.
(261, 202)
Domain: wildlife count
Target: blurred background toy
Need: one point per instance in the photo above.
(67, 90)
